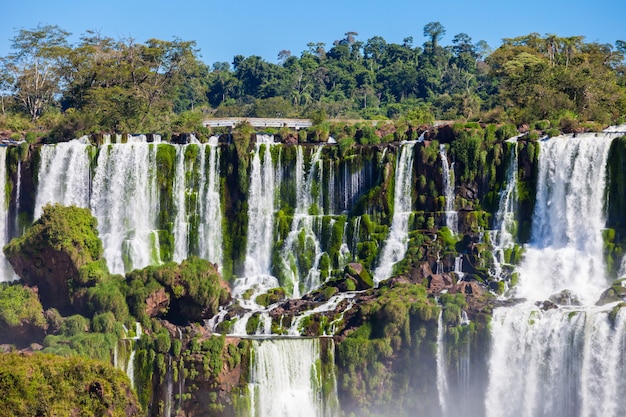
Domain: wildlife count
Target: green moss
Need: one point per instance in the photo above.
(92, 273)
(69, 229)
(166, 169)
(395, 328)
(194, 287)
(452, 306)
(19, 304)
(272, 296)
(107, 297)
(252, 324)
(51, 385)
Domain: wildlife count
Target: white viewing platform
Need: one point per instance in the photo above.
(258, 122)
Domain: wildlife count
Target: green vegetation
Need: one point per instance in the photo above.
(397, 327)
(51, 385)
(63, 229)
(162, 86)
(193, 288)
(19, 304)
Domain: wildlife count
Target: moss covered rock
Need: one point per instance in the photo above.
(359, 273)
(51, 385)
(193, 291)
(22, 319)
(52, 252)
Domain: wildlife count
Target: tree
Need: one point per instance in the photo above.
(435, 31)
(283, 56)
(34, 66)
(374, 50)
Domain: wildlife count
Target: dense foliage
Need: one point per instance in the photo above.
(103, 84)
(53, 386)
(19, 304)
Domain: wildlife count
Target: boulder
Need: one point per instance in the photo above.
(191, 291)
(52, 252)
(617, 292)
(360, 274)
(565, 298)
(440, 282)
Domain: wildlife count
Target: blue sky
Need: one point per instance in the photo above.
(223, 29)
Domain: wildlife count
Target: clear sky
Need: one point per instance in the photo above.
(225, 28)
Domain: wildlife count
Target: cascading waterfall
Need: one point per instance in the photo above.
(261, 208)
(180, 229)
(564, 361)
(124, 200)
(566, 241)
(286, 380)
(197, 180)
(560, 362)
(303, 271)
(18, 190)
(442, 378)
(347, 181)
(395, 246)
(122, 195)
(6, 272)
(502, 238)
(210, 205)
(452, 219)
(64, 175)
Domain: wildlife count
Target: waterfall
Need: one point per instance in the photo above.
(505, 216)
(261, 208)
(442, 376)
(395, 246)
(130, 369)
(560, 362)
(260, 212)
(458, 267)
(504, 223)
(6, 272)
(286, 379)
(568, 360)
(210, 204)
(448, 190)
(18, 190)
(124, 200)
(347, 181)
(201, 185)
(302, 271)
(566, 250)
(64, 175)
(180, 229)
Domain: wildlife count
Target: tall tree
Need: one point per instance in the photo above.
(435, 31)
(34, 66)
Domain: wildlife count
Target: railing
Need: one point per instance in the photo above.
(258, 122)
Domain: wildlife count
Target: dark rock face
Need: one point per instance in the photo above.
(48, 270)
(22, 335)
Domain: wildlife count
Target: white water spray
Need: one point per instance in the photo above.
(285, 380)
(565, 361)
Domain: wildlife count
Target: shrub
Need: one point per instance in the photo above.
(18, 303)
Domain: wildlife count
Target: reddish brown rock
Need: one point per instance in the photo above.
(157, 303)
